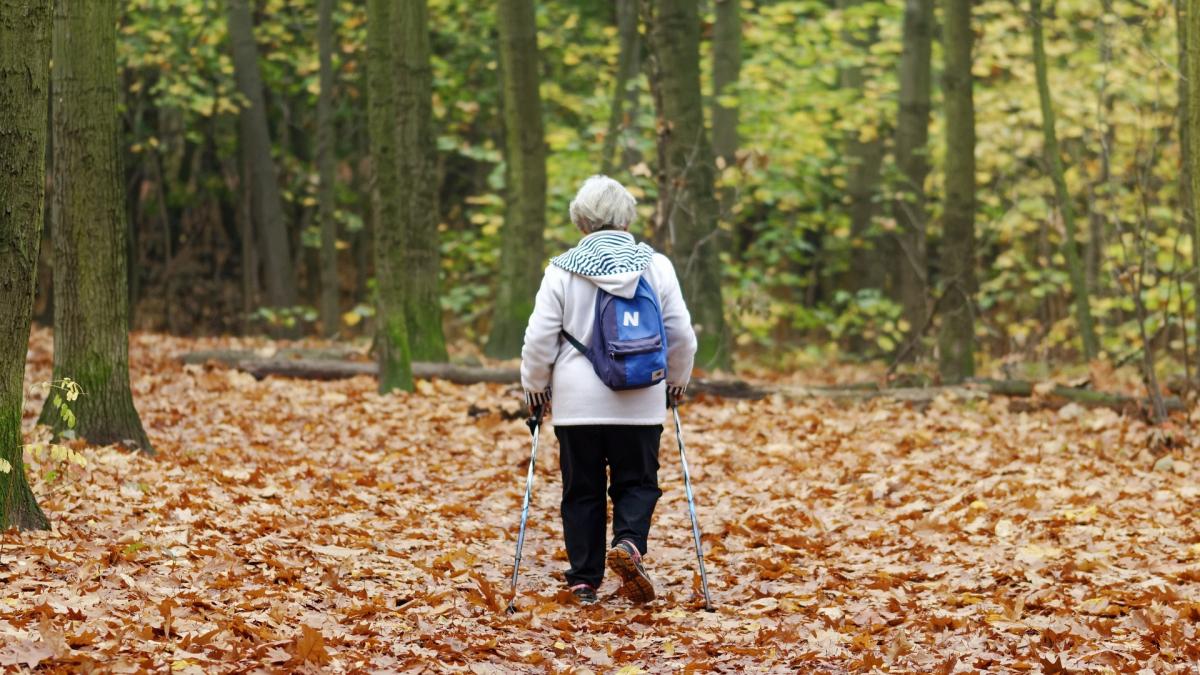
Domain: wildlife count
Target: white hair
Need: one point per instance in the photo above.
(602, 203)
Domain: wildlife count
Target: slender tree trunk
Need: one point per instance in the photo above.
(420, 255)
(254, 141)
(24, 87)
(912, 139)
(1192, 23)
(625, 88)
(330, 310)
(91, 309)
(391, 332)
(522, 248)
(1094, 253)
(250, 282)
(864, 159)
(1083, 310)
(956, 342)
(686, 210)
(727, 68)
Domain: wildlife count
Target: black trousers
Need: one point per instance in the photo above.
(631, 454)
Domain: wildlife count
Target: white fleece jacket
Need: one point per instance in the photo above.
(567, 300)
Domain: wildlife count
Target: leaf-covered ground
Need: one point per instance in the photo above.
(290, 525)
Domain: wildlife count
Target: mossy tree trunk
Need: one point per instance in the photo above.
(419, 254)
(1083, 309)
(686, 212)
(326, 205)
(522, 249)
(912, 138)
(391, 331)
(727, 68)
(254, 142)
(956, 340)
(91, 305)
(625, 89)
(24, 88)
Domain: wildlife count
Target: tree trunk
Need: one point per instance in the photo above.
(864, 159)
(419, 256)
(391, 331)
(522, 247)
(250, 280)
(912, 138)
(254, 141)
(1192, 21)
(1094, 253)
(956, 342)
(727, 68)
(1083, 310)
(330, 310)
(625, 88)
(91, 309)
(24, 87)
(686, 214)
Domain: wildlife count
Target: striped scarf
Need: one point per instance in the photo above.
(605, 253)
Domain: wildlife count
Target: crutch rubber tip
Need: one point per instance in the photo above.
(512, 609)
(710, 608)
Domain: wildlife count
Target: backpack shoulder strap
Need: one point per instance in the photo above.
(574, 343)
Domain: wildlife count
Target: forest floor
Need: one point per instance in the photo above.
(317, 526)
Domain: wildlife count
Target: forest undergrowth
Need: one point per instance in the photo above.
(296, 526)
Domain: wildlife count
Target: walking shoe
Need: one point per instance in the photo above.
(585, 594)
(626, 562)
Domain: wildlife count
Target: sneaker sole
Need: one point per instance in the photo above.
(635, 585)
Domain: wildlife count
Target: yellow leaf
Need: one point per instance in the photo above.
(979, 505)
(180, 664)
(351, 318)
(668, 648)
(630, 670)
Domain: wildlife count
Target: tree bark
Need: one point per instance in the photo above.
(254, 142)
(956, 341)
(522, 247)
(24, 88)
(91, 309)
(1192, 36)
(686, 214)
(912, 139)
(727, 68)
(391, 331)
(1083, 310)
(330, 310)
(864, 161)
(416, 248)
(625, 88)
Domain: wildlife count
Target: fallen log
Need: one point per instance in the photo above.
(317, 365)
(1059, 395)
(295, 364)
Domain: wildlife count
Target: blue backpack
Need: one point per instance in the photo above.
(629, 342)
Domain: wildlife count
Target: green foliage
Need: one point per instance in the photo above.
(286, 317)
(787, 236)
(56, 457)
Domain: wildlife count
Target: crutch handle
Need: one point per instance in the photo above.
(535, 420)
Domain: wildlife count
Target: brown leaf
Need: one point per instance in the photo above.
(310, 647)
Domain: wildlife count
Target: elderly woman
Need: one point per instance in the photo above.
(596, 425)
